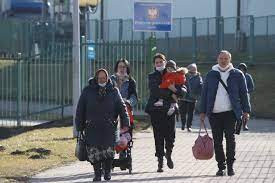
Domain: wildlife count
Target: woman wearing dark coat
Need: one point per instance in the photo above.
(163, 123)
(126, 84)
(98, 108)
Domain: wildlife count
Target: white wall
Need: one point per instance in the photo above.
(229, 8)
(258, 7)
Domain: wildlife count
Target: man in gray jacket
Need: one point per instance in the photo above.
(224, 101)
(187, 104)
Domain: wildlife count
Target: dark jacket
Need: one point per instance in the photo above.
(155, 79)
(237, 92)
(98, 115)
(194, 87)
(129, 90)
(249, 82)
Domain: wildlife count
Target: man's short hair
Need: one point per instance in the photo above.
(225, 52)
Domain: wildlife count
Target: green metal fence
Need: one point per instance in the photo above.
(249, 38)
(37, 88)
(107, 53)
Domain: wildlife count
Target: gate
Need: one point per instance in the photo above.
(105, 55)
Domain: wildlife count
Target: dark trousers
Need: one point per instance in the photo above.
(223, 123)
(106, 165)
(164, 132)
(186, 108)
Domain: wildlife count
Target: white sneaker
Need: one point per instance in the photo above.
(171, 111)
(158, 104)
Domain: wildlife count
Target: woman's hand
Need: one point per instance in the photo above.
(202, 117)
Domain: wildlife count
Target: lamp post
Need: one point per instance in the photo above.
(218, 26)
(91, 5)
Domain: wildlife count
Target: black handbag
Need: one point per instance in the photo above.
(80, 149)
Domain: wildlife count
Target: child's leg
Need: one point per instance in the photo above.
(159, 103)
(175, 97)
(172, 109)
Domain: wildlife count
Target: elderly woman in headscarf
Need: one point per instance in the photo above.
(98, 108)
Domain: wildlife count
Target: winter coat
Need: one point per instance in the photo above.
(178, 78)
(97, 114)
(237, 90)
(155, 79)
(128, 90)
(194, 86)
(249, 82)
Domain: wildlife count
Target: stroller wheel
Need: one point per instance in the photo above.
(130, 170)
(130, 165)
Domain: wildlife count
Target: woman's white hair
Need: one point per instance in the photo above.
(226, 52)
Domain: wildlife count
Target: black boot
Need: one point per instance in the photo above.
(170, 163)
(107, 166)
(221, 171)
(97, 170)
(230, 170)
(160, 164)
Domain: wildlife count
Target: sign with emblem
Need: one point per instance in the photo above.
(90, 50)
(152, 16)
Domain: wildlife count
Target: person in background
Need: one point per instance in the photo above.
(250, 87)
(187, 104)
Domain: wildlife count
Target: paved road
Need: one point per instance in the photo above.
(255, 160)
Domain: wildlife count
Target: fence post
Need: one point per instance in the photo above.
(194, 39)
(167, 43)
(251, 39)
(221, 24)
(19, 91)
(120, 29)
(62, 87)
(96, 29)
(83, 46)
(152, 46)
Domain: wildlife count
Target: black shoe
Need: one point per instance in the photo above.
(107, 171)
(170, 163)
(182, 128)
(97, 179)
(220, 172)
(230, 172)
(98, 172)
(189, 129)
(245, 128)
(160, 164)
(107, 175)
(159, 169)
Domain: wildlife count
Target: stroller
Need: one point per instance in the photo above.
(125, 155)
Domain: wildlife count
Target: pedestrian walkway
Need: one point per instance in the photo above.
(255, 160)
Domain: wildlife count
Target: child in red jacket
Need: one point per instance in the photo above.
(174, 76)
